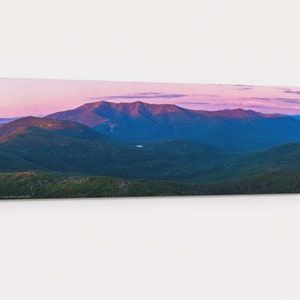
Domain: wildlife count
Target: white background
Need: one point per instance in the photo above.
(172, 248)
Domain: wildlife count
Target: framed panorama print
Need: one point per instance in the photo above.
(67, 139)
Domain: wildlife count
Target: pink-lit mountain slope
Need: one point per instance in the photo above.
(59, 127)
(236, 129)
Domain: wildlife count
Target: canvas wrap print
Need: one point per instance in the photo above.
(69, 139)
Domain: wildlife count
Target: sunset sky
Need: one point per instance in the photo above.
(23, 97)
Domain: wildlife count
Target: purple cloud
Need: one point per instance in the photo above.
(191, 102)
(208, 95)
(285, 100)
(242, 87)
(288, 91)
(139, 96)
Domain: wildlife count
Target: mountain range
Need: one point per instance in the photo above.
(149, 149)
(66, 147)
(69, 148)
(234, 130)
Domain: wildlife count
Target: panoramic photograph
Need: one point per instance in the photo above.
(79, 139)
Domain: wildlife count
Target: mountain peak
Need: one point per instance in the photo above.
(231, 128)
(133, 109)
(64, 127)
(139, 107)
(44, 123)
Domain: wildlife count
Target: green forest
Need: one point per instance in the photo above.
(25, 185)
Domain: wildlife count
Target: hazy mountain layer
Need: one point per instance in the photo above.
(63, 147)
(67, 147)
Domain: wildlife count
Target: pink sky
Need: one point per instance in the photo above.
(23, 97)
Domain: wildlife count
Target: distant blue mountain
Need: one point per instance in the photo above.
(7, 120)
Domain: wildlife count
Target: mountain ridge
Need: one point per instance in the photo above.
(62, 127)
(133, 107)
(60, 151)
(236, 129)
